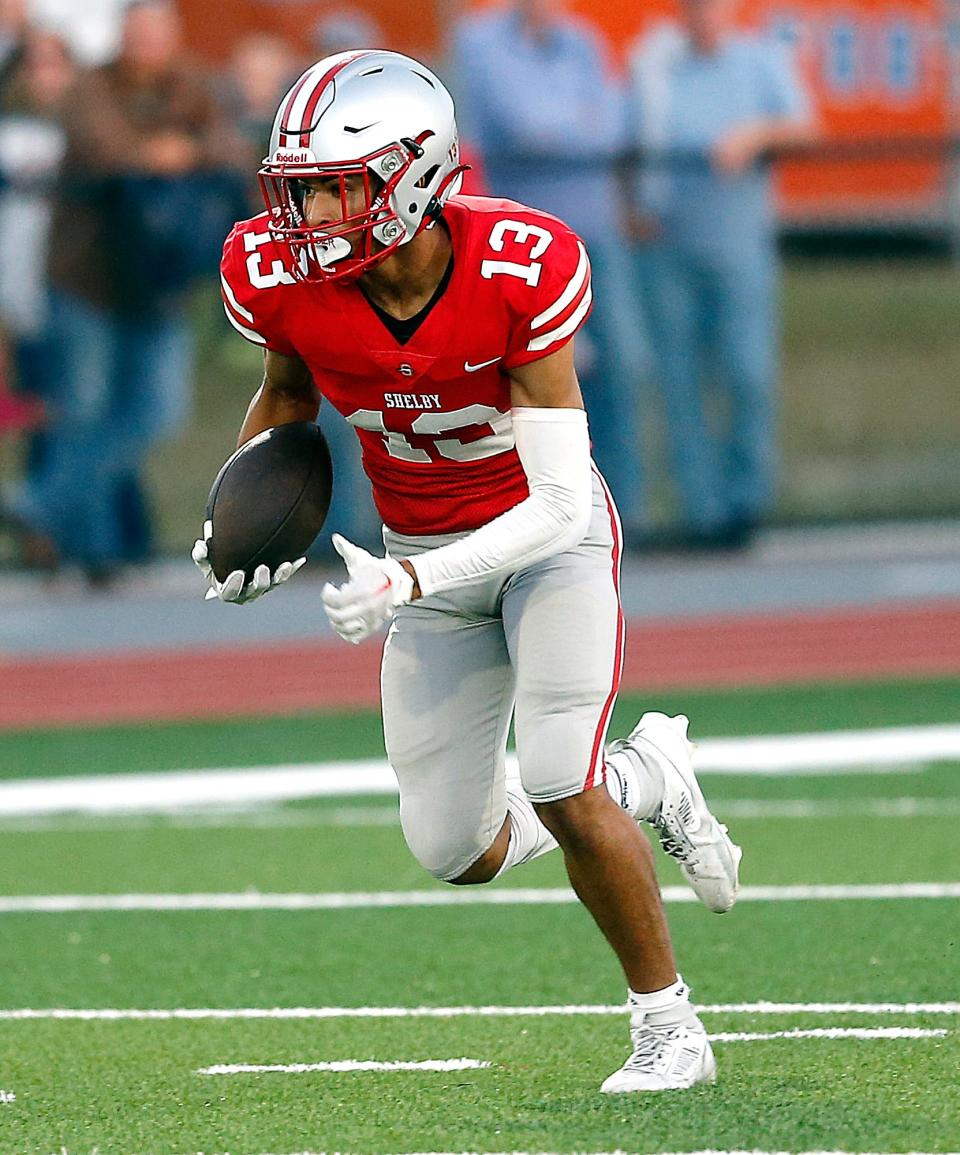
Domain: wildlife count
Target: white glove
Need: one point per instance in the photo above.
(376, 586)
(234, 588)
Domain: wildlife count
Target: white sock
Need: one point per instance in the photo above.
(667, 1007)
(529, 838)
(634, 784)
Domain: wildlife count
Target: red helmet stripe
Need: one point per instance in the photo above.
(294, 93)
(286, 129)
(306, 122)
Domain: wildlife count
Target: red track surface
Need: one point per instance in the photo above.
(887, 641)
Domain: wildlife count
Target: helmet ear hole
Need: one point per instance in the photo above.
(427, 179)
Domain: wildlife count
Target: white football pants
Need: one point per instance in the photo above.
(543, 647)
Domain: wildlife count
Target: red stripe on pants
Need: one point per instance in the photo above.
(596, 754)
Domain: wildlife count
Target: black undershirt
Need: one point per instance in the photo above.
(402, 331)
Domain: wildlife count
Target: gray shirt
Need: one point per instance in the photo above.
(682, 103)
(546, 114)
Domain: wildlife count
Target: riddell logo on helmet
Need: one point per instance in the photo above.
(302, 157)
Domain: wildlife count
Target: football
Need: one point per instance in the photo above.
(269, 500)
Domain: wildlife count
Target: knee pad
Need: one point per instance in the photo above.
(442, 850)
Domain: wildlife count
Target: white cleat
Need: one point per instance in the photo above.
(688, 832)
(665, 1058)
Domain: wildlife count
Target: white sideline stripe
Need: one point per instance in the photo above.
(509, 896)
(344, 1065)
(107, 1014)
(892, 750)
(831, 1033)
(619, 1152)
(791, 753)
(895, 746)
(174, 790)
(476, 1064)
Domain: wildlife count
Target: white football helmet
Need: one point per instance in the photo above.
(373, 113)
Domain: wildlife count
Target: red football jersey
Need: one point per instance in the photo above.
(433, 415)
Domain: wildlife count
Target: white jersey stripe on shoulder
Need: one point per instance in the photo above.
(574, 286)
(250, 334)
(569, 326)
(234, 303)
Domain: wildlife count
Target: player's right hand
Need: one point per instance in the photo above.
(235, 588)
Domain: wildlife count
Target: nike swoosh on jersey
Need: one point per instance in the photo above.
(483, 364)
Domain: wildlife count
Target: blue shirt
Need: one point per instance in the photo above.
(685, 102)
(545, 113)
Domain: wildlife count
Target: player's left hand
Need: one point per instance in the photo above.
(376, 586)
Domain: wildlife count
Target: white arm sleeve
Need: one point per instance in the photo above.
(554, 449)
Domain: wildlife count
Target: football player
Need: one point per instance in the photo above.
(441, 327)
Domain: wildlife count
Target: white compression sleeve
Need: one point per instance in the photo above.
(554, 449)
(529, 838)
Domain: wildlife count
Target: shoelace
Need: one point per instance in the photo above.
(649, 1047)
(677, 850)
(682, 851)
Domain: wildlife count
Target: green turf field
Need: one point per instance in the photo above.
(124, 1084)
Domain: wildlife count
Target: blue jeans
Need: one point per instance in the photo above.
(613, 360)
(121, 384)
(714, 321)
(352, 512)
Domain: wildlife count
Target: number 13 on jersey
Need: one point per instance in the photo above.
(522, 232)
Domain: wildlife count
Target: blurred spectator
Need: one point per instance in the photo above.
(709, 106)
(32, 142)
(13, 30)
(344, 30)
(92, 28)
(261, 69)
(537, 98)
(131, 227)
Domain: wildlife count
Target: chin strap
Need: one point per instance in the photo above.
(435, 204)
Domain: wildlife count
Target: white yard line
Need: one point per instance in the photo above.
(107, 1014)
(769, 1008)
(753, 1152)
(343, 1065)
(837, 808)
(387, 899)
(253, 816)
(830, 1033)
(358, 1065)
(360, 816)
(885, 750)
